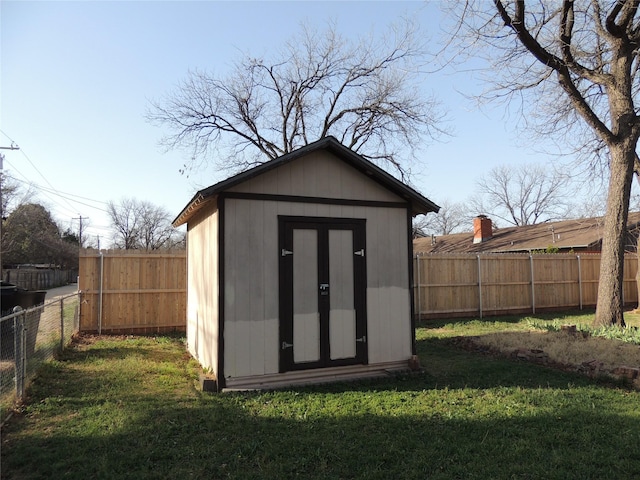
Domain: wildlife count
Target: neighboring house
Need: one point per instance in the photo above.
(300, 271)
(581, 235)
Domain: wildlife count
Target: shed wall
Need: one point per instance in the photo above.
(203, 289)
(251, 259)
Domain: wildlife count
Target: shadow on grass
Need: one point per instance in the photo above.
(454, 367)
(220, 437)
(114, 348)
(467, 416)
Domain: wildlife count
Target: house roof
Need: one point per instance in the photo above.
(583, 234)
(419, 204)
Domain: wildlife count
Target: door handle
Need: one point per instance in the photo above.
(324, 289)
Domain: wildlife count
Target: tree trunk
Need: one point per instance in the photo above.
(610, 305)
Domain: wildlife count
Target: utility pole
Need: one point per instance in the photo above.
(80, 218)
(12, 147)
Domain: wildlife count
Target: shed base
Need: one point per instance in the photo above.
(315, 376)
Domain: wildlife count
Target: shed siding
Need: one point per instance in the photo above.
(320, 174)
(388, 278)
(247, 303)
(251, 280)
(202, 290)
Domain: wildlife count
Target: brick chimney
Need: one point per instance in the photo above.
(482, 229)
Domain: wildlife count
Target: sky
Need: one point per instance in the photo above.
(76, 79)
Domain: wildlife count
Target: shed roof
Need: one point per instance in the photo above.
(419, 204)
(582, 233)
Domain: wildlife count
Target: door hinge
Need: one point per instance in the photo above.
(285, 252)
(362, 339)
(359, 252)
(286, 345)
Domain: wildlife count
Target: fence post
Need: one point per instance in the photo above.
(579, 280)
(418, 285)
(479, 287)
(19, 339)
(61, 324)
(533, 288)
(622, 286)
(100, 297)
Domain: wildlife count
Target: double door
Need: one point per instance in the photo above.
(322, 292)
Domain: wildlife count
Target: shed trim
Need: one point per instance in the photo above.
(317, 376)
(269, 197)
(221, 294)
(358, 226)
(414, 350)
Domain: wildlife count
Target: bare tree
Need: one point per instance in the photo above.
(10, 189)
(523, 194)
(155, 227)
(580, 61)
(591, 207)
(365, 93)
(453, 217)
(141, 225)
(14, 193)
(125, 223)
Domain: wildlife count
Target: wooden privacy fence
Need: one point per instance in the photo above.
(458, 285)
(128, 291)
(38, 279)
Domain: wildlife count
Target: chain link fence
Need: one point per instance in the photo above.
(28, 338)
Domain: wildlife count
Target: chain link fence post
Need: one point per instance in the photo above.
(20, 345)
(61, 325)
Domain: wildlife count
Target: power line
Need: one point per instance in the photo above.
(70, 209)
(29, 160)
(67, 196)
(53, 191)
(62, 193)
(48, 192)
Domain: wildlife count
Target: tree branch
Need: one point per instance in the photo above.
(517, 24)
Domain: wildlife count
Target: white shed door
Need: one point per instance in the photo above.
(322, 293)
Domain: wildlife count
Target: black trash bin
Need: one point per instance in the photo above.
(14, 296)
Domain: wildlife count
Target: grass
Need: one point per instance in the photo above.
(628, 334)
(128, 408)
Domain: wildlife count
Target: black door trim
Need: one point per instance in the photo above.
(286, 225)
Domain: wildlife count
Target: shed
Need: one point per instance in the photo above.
(300, 271)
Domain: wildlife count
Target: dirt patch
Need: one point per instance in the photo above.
(80, 340)
(567, 350)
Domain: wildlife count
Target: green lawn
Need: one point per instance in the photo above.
(129, 408)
